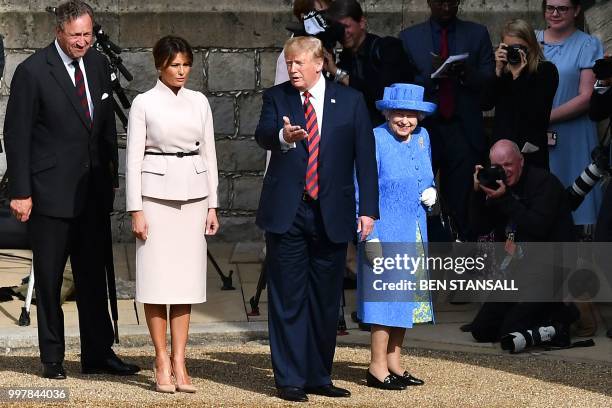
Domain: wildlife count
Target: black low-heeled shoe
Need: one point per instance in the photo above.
(54, 371)
(407, 379)
(389, 383)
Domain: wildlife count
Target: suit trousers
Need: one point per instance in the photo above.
(83, 239)
(305, 275)
(454, 157)
(497, 319)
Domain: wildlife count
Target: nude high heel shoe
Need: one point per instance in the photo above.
(190, 388)
(165, 388)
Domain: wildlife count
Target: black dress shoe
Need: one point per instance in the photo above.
(407, 379)
(111, 365)
(294, 394)
(329, 390)
(54, 371)
(466, 328)
(389, 383)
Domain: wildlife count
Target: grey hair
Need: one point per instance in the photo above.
(420, 115)
(71, 10)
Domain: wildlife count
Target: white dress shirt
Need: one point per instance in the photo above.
(70, 68)
(317, 99)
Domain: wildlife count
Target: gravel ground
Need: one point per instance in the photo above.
(241, 376)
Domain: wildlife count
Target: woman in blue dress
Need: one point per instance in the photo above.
(406, 189)
(574, 53)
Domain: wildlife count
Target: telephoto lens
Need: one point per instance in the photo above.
(603, 68)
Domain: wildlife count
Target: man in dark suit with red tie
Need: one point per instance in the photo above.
(320, 136)
(458, 141)
(61, 150)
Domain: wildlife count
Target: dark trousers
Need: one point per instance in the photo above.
(497, 319)
(454, 157)
(305, 272)
(82, 238)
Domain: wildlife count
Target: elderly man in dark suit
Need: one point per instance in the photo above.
(457, 136)
(61, 154)
(320, 135)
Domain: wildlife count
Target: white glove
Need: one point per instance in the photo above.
(429, 197)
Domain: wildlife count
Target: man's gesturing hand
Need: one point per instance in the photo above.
(291, 133)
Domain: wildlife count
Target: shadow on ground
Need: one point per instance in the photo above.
(253, 372)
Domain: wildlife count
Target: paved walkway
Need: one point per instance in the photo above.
(460, 372)
(225, 314)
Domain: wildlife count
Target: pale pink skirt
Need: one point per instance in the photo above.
(171, 263)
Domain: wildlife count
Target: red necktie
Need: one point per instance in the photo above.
(312, 128)
(79, 84)
(446, 95)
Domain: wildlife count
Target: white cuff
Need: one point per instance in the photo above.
(284, 145)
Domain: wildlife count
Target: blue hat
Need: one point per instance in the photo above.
(405, 97)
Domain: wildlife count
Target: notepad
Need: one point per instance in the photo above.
(446, 66)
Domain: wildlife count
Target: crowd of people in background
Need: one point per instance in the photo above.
(364, 146)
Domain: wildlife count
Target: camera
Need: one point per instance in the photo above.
(603, 68)
(514, 57)
(317, 25)
(489, 175)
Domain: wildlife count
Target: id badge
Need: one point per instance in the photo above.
(552, 137)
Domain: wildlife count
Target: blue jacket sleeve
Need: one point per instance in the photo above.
(267, 130)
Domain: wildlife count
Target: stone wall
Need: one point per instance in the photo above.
(237, 43)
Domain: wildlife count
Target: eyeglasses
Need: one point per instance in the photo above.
(447, 3)
(559, 9)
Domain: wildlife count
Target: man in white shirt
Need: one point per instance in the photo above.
(318, 133)
(61, 150)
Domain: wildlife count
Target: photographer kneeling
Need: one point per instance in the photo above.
(519, 203)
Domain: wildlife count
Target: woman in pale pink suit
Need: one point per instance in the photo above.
(171, 177)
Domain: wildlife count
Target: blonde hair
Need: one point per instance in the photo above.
(522, 29)
(298, 45)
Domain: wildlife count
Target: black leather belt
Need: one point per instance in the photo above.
(177, 154)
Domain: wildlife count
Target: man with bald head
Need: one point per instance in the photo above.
(530, 205)
(532, 200)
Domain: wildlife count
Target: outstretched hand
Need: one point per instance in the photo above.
(291, 133)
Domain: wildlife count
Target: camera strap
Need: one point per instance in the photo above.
(581, 343)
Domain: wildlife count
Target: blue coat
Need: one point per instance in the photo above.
(469, 38)
(347, 143)
(404, 173)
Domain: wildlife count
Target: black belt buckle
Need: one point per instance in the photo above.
(180, 154)
(306, 197)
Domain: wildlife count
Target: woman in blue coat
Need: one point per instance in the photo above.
(406, 189)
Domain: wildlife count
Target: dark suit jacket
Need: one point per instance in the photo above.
(347, 146)
(52, 153)
(472, 38)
